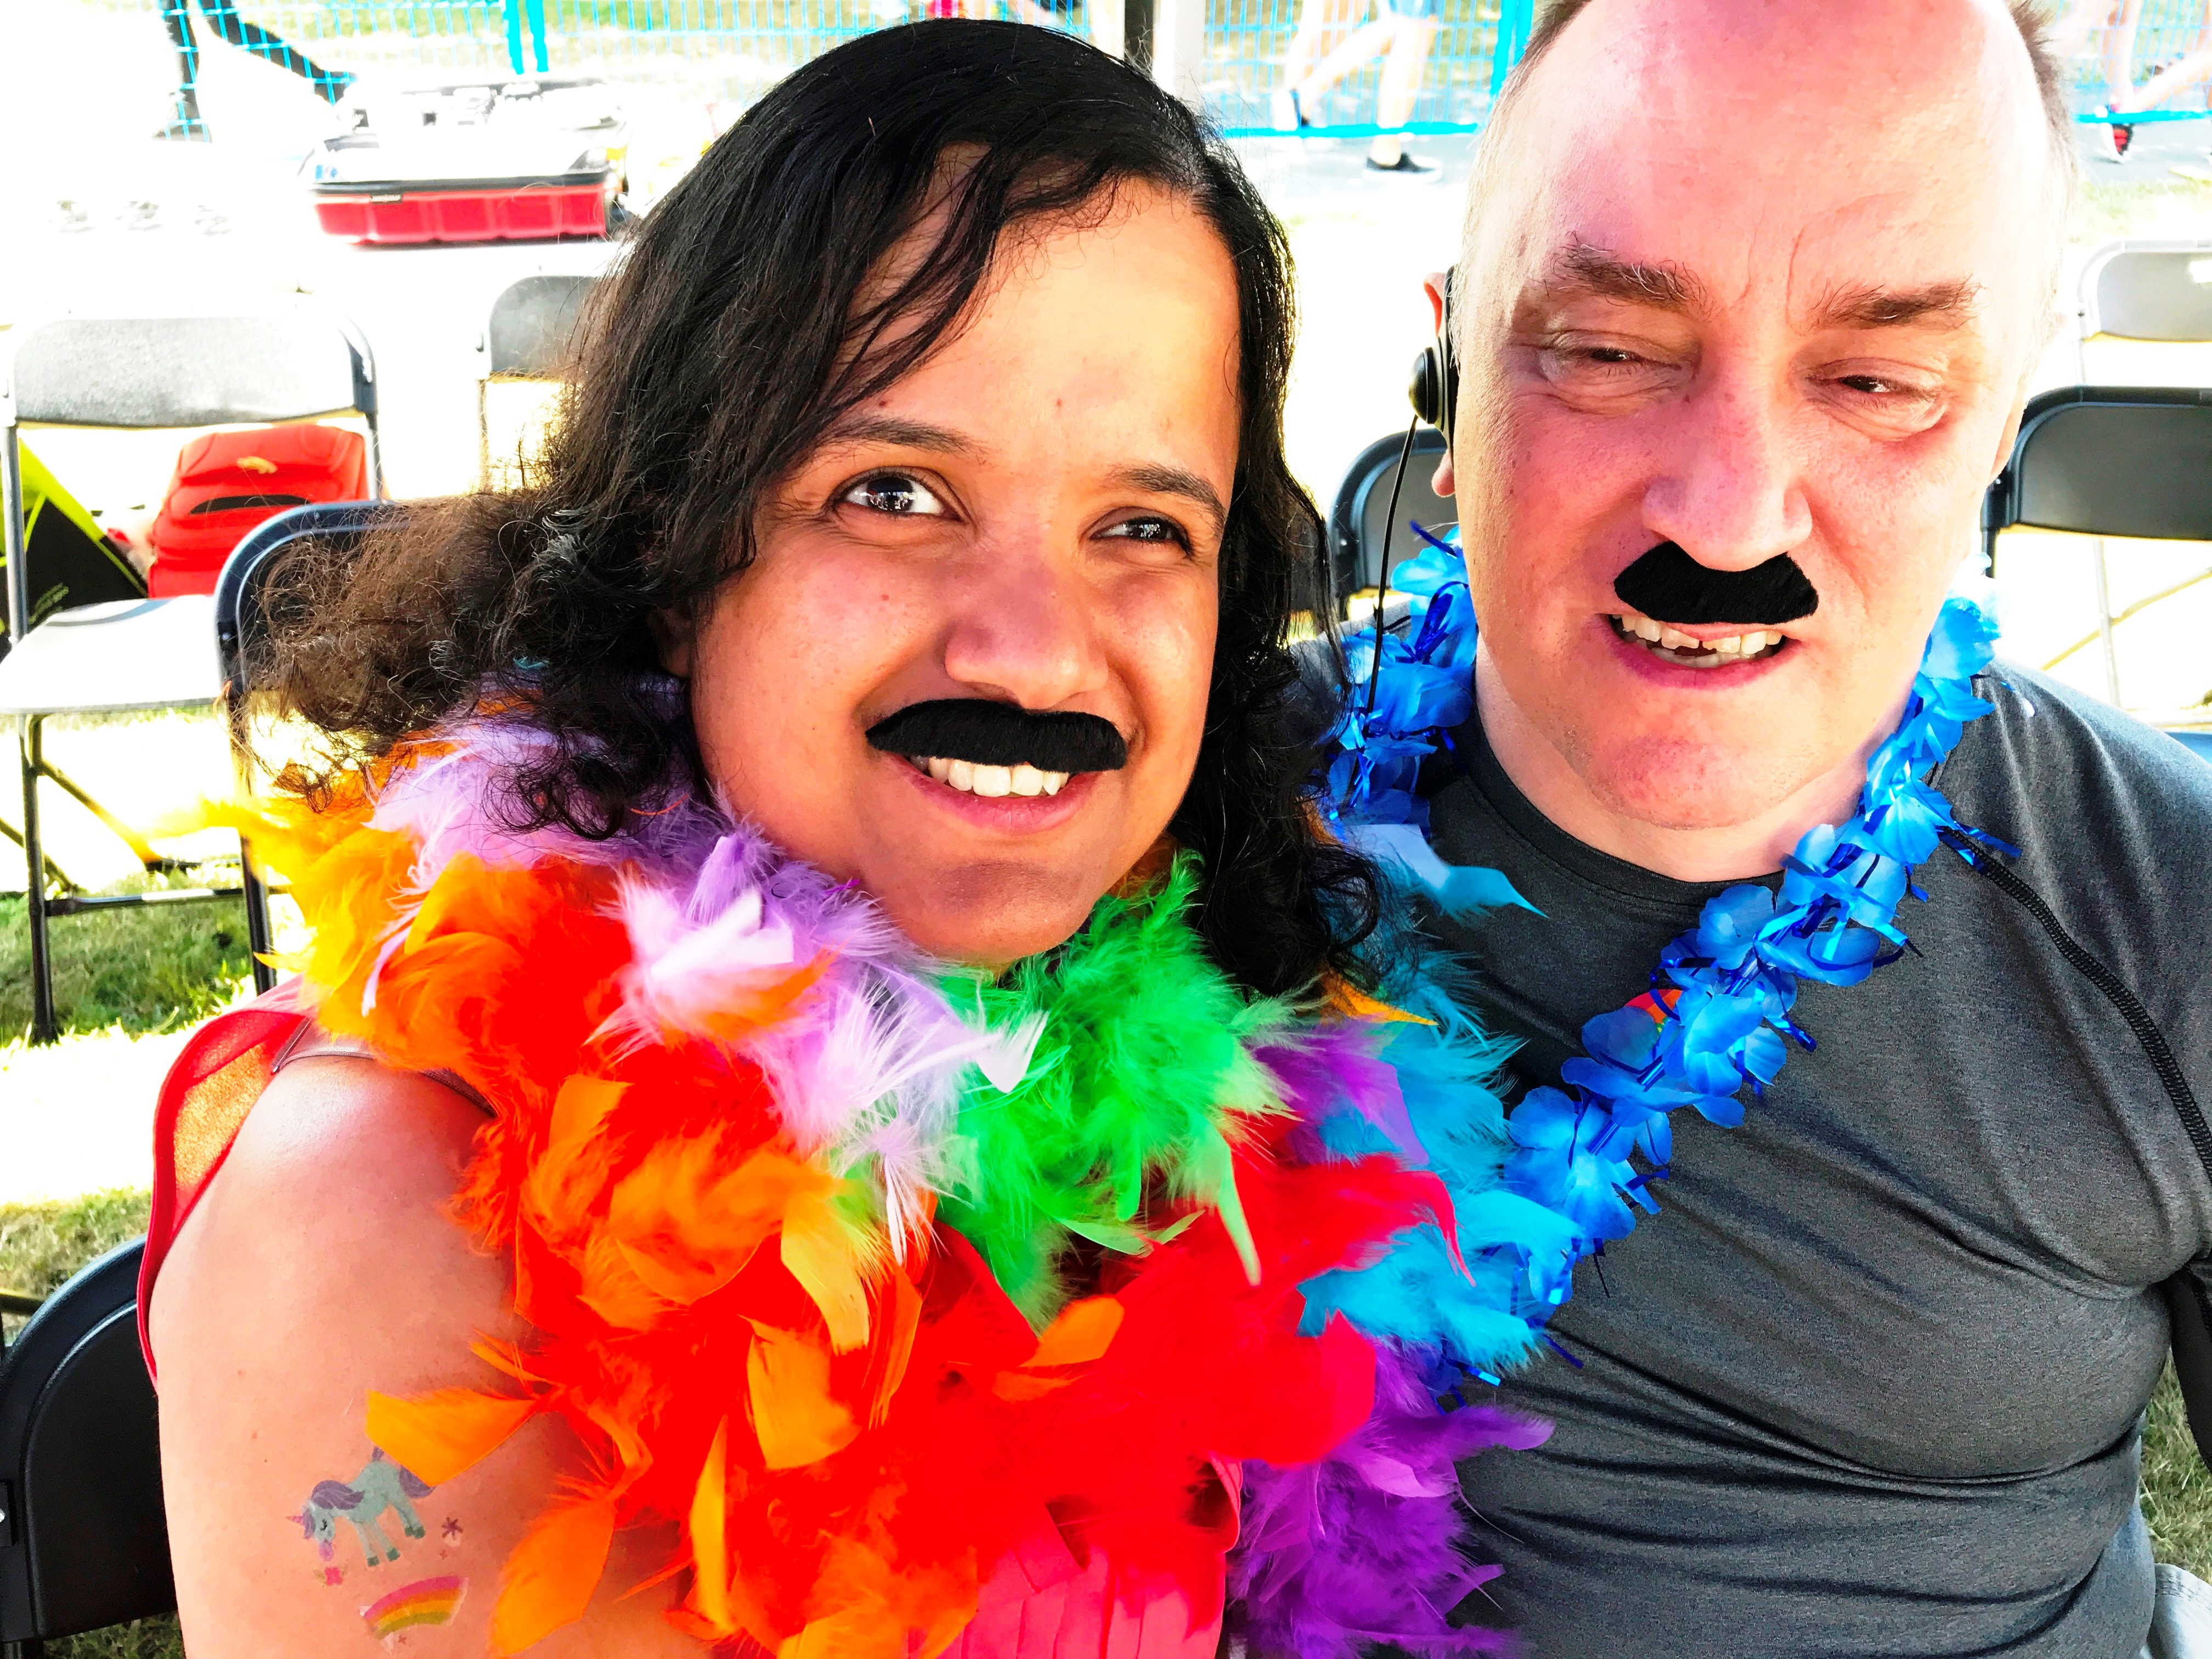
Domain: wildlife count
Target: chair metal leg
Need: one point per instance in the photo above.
(2105, 630)
(30, 1650)
(43, 1026)
(259, 934)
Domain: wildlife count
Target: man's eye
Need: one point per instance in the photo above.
(1149, 529)
(898, 493)
(1877, 386)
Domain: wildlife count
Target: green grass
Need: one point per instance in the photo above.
(2176, 1487)
(150, 969)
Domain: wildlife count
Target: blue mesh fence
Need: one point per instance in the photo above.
(1452, 53)
(734, 49)
(2121, 49)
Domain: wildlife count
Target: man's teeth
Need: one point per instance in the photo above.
(994, 780)
(1678, 647)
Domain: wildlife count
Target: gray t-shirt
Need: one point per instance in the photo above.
(1871, 1382)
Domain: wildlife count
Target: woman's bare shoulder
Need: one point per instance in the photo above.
(322, 1263)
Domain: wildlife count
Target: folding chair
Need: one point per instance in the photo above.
(526, 337)
(2135, 289)
(335, 528)
(141, 372)
(2110, 461)
(85, 1539)
(1363, 500)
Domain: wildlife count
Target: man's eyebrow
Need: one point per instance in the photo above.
(1867, 306)
(1175, 481)
(1588, 270)
(906, 435)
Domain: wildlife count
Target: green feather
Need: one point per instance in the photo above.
(1132, 1102)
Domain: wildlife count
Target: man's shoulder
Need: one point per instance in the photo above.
(2066, 757)
(2113, 817)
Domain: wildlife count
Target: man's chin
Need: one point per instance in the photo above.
(1671, 784)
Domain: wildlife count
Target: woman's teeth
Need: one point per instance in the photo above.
(1677, 646)
(1022, 780)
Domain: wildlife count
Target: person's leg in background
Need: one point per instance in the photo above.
(2117, 21)
(2177, 76)
(1321, 26)
(330, 85)
(1415, 22)
(185, 122)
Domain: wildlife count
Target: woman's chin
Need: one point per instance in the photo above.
(988, 913)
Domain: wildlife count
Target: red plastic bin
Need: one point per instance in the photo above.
(472, 213)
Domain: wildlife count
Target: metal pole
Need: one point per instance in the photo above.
(1136, 33)
(11, 509)
(2105, 628)
(43, 1026)
(1178, 49)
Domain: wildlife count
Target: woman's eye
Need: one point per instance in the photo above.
(898, 493)
(1165, 531)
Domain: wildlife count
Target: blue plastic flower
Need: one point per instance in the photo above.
(1572, 1158)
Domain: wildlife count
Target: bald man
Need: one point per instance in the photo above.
(1756, 280)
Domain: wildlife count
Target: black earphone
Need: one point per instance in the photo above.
(1434, 388)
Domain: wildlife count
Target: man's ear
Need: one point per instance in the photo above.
(2011, 433)
(674, 633)
(1445, 482)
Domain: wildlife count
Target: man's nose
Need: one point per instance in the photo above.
(1026, 628)
(1728, 491)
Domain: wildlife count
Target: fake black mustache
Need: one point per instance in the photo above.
(1668, 585)
(985, 734)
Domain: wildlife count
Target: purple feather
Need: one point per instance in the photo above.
(1362, 1546)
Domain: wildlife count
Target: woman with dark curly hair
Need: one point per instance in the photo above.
(817, 883)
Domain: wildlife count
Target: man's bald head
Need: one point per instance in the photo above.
(1612, 32)
(1742, 280)
(2026, 17)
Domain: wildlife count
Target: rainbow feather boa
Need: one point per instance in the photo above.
(792, 1210)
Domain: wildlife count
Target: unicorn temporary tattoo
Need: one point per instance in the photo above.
(381, 1487)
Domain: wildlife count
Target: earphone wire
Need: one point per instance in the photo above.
(1382, 575)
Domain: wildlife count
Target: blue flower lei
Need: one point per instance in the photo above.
(1717, 1016)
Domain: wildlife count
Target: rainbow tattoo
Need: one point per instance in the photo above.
(425, 1602)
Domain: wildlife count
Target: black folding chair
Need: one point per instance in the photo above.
(140, 373)
(526, 337)
(84, 1541)
(336, 530)
(2133, 461)
(2135, 289)
(1356, 522)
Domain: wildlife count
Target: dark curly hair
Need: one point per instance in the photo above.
(741, 324)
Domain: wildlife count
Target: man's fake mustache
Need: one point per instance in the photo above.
(1668, 585)
(985, 734)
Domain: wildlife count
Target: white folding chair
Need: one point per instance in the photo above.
(141, 372)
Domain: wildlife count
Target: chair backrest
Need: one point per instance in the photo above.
(2198, 743)
(84, 1541)
(1363, 501)
(241, 588)
(2109, 461)
(532, 324)
(189, 371)
(2144, 290)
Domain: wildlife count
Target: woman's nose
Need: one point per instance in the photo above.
(1729, 491)
(1027, 627)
